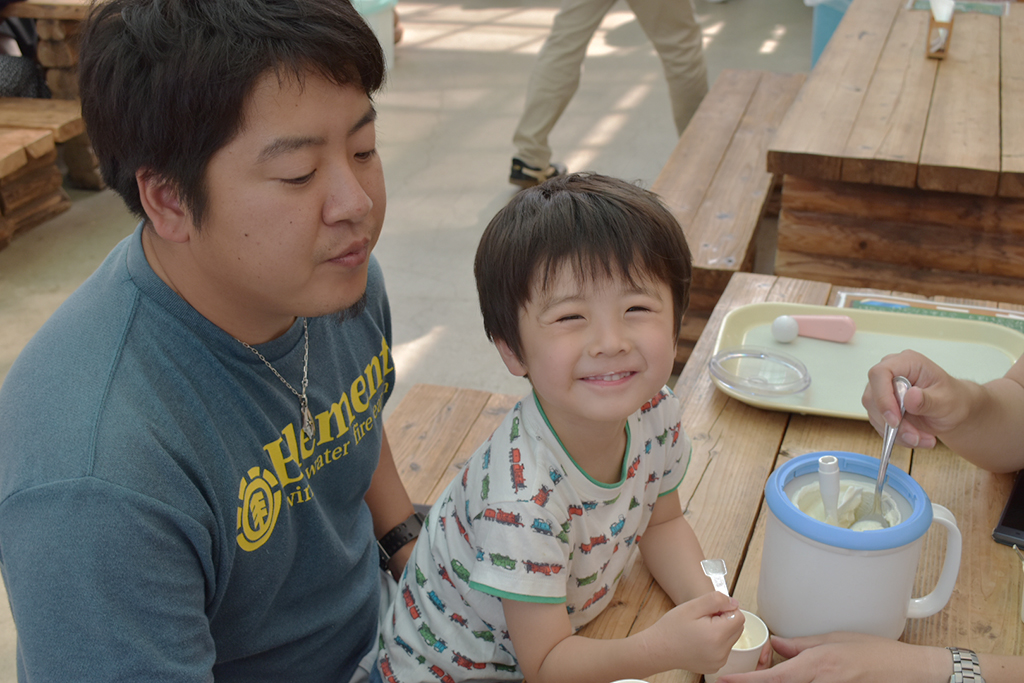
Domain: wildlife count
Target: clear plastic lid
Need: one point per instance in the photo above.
(759, 372)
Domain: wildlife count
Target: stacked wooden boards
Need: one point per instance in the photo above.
(904, 172)
(30, 182)
(57, 52)
(57, 24)
(716, 186)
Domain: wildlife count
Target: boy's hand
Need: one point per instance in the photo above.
(697, 635)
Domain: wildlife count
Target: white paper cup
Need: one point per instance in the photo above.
(744, 659)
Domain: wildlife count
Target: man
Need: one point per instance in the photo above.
(194, 467)
(668, 24)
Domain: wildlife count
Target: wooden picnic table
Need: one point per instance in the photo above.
(906, 172)
(735, 448)
(57, 24)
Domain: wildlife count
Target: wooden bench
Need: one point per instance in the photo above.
(64, 119)
(716, 185)
(30, 182)
(57, 24)
(435, 429)
(30, 179)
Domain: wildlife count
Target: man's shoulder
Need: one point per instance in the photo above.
(87, 377)
(65, 355)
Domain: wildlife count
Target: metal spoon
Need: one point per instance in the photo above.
(900, 385)
(716, 570)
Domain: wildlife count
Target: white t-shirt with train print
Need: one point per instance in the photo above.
(524, 522)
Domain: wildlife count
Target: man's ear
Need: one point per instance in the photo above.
(163, 207)
(512, 362)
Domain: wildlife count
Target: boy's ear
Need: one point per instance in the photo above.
(163, 207)
(512, 362)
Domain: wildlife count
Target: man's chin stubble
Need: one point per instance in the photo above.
(352, 311)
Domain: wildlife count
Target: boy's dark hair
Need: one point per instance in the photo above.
(599, 226)
(164, 83)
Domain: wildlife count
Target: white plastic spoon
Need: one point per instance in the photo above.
(716, 570)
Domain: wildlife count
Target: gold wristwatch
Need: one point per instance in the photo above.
(966, 667)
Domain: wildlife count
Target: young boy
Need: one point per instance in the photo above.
(582, 281)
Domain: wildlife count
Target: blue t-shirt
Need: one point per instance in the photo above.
(160, 518)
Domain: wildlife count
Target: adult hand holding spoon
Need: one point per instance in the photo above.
(900, 386)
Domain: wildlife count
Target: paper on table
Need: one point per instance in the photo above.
(942, 11)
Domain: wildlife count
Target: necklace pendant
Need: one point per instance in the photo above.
(307, 421)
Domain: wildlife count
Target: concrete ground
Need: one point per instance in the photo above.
(444, 132)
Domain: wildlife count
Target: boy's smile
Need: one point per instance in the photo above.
(595, 351)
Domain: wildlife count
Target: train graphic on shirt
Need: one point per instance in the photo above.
(527, 505)
(518, 472)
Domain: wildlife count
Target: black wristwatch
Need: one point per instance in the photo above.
(393, 541)
(966, 667)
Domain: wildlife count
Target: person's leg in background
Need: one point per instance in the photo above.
(673, 30)
(553, 82)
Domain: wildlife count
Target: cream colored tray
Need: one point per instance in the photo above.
(969, 349)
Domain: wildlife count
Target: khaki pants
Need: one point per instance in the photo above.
(669, 25)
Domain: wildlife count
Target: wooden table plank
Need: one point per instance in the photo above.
(12, 153)
(875, 203)
(961, 148)
(721, 232)
(984, 612)
(885, 144)
(490, 416)
(687, 175)
(858, 273)
(37, 142)
(62, 117)
(48, 9)
(814, 134)
(928, 247)
(427, 429)
(1011, 180)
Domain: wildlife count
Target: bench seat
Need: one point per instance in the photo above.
(716, 185)
(30, 182)
(37, 138)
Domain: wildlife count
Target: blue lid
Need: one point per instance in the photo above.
(904, 533)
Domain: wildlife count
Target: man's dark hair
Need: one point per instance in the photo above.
(164, 83)
(597, 225)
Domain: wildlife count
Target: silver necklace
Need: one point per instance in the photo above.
(307, 417)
